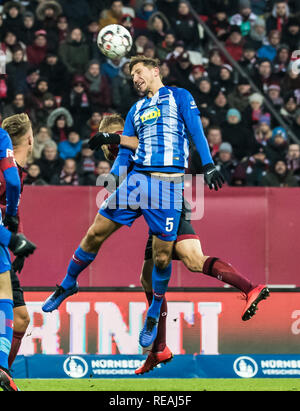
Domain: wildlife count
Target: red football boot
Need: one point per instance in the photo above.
(6, 382)
(259, 293)
(153, 359)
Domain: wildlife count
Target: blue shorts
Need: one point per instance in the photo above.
(5, 261)
(158, 199)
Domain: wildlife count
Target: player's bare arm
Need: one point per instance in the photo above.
(129, 142)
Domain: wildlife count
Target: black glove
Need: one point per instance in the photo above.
(100, 139)
(213, 177)
(20, 246)
(12, 223)
(18, 264)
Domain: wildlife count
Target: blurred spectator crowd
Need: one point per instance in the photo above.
(56, 74)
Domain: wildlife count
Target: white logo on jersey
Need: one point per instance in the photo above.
(9, 153)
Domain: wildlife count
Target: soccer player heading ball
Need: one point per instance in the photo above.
(161, 122)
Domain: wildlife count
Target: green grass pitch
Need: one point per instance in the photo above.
(161, 385)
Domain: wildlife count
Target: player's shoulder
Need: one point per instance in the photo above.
(183, 98)
(4, 137)
(180, 94)
(5, 142)
(179, 91)
(4, 134)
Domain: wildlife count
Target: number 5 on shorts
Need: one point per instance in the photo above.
(169, 224)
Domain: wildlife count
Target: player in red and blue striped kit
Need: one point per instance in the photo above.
(9, 240)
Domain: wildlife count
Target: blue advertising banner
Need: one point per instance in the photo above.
(95, 366)
(182, 366)
(248, 366)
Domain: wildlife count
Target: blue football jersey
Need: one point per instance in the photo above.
(6, 147)
(10, 172)
(162, 124)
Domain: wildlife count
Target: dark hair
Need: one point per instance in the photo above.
(214, 127)
(146, 61)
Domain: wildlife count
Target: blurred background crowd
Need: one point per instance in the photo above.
(56, 74)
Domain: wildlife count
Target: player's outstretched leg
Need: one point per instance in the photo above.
(227, 273)
(190, 252)
(82, 258)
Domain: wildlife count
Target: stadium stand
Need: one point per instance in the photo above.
(238, 59)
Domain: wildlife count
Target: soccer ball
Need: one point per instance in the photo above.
(114, 41)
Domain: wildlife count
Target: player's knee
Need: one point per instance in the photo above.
(21, 322)
(94, 238)
(162, 261)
